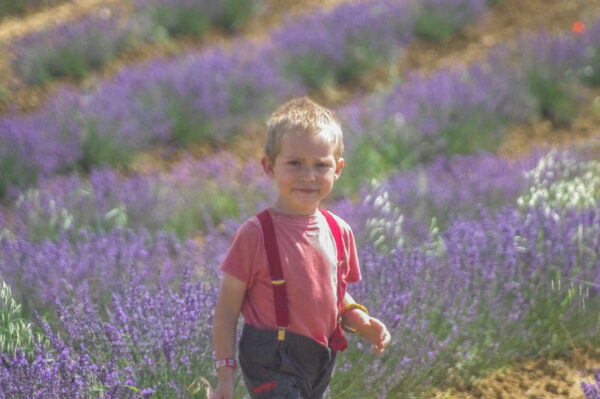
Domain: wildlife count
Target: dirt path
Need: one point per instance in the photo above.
(550, 377)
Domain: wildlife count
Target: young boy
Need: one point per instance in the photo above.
(288, 267)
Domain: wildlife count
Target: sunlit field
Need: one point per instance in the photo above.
(474, 260)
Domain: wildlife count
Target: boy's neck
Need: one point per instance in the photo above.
(276, 208)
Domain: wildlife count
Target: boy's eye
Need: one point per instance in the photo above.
(293, 163)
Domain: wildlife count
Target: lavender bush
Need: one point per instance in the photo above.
(553, 66)
(98, 265)
(456, 111)
(45, 142)
(169, 101)
(194, 196)
(592, 390)
(408, 207)
(337, 46)
(198, 96)
(421, 118)
(487, 287)
(438, 19)
(72, 50)
(160, 338)
(184, 17)
(482, 298)
(135, 313)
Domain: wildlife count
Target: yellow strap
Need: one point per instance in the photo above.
(354, 306)
(347, 308)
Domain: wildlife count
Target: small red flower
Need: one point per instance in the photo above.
(578, 27)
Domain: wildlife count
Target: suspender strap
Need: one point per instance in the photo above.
(274, 261)
(337, 236)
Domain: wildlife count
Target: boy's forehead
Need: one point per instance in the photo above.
(294, 144)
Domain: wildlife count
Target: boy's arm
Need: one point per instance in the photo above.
(226, 317)
(370, 328)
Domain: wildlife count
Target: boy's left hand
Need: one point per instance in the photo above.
(374, 331)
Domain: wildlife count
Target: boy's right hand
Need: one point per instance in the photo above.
(225, 387)
(223, 392)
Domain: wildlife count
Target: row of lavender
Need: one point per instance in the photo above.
(468, 109)
(74, 49)
(516, 277)
(413, 122)
(206, 96)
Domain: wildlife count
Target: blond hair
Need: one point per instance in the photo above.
(305, 117)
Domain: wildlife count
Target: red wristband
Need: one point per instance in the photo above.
(228, 362)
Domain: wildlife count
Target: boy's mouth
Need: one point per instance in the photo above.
(307, 190)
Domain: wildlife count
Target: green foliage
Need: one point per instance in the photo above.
(471, 133)
(235, 14)
(591, 72)
(556, 99)
(15, 332)
(14, 175)
(433, 26)
(315, 71)
(363, 165)
(11, 7)
(188, 127)
(180, 20)
(361, 57)
(4, 95)
(51, 221)
(71, 57)
(214, 207)
(103, 149)
(46, 64)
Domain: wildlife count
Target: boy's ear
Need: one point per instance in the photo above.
(338, 168)
(267, 166)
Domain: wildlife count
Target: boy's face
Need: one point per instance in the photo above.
(304, 171)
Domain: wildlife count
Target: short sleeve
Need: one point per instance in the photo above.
(241, 257)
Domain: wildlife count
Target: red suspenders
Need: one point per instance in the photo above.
(337, 340)
(279, 291)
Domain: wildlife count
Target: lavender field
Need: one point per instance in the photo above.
(109, 274)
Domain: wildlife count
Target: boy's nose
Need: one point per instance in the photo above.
(308, 174)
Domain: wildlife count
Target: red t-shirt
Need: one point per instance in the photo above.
(308, 259)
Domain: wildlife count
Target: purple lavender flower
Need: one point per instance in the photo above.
(339, 45)
(194, 196)
(70, 49)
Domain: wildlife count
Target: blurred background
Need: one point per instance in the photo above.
(130, 138)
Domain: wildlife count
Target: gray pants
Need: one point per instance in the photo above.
(297, 367)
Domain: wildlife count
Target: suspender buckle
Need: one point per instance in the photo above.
(281, 334)
(278, 282)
